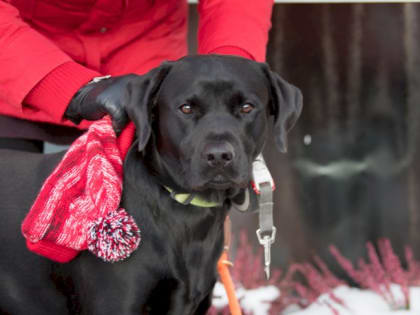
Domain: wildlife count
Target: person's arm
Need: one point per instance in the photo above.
(35, 74)
(234, 27)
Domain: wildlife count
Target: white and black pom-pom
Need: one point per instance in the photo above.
(114, 237)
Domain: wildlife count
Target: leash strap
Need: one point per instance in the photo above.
(260, 198)
(264, 186)
(223, 269)
(266, 209)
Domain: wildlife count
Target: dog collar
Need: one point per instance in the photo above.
(192, 199)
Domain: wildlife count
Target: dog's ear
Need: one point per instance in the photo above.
(143, 97)
(286, 106)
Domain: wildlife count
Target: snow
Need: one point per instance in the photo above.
(257, 301)
(220, 299)
(355, 302)
(253, 301)
(360, 302)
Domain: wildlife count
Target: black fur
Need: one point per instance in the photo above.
(208, 152)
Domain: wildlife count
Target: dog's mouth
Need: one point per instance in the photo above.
(220, 182)
(223, 182)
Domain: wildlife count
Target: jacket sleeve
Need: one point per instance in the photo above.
(36, 75)
(235, 27)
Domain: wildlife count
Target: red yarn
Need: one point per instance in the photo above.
(126, 138)
(85, 187)
(114, 237)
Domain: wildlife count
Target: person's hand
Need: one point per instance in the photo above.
(106, 96)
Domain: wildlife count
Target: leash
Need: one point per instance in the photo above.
(260, 198)
(263, 186)
(224, 273)
(124, 142)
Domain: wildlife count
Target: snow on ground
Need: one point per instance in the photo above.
(355, 302)
(359, 302)
(254, 301)
(257, 301)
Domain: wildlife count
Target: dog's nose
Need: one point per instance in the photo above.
(219, 155)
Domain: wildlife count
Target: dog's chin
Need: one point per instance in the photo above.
(218, 186)
(220, 182)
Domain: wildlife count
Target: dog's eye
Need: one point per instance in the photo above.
(246, 108)
(186, 109)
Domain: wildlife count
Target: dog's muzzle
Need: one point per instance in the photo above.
(220, 165)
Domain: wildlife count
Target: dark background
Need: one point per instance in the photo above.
(351, 173)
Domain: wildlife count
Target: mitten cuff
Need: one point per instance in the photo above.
(52, 251)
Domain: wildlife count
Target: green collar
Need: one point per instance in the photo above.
(192, 199)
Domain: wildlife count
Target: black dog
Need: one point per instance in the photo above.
(202, 122)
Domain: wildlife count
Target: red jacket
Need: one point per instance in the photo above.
(50, 48)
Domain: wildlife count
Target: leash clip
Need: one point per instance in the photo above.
(266, 241)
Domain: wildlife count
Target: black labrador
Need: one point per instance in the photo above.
(202, 122)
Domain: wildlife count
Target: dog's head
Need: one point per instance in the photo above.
(204, 119)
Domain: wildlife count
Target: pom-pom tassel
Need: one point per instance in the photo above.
(114, 237)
